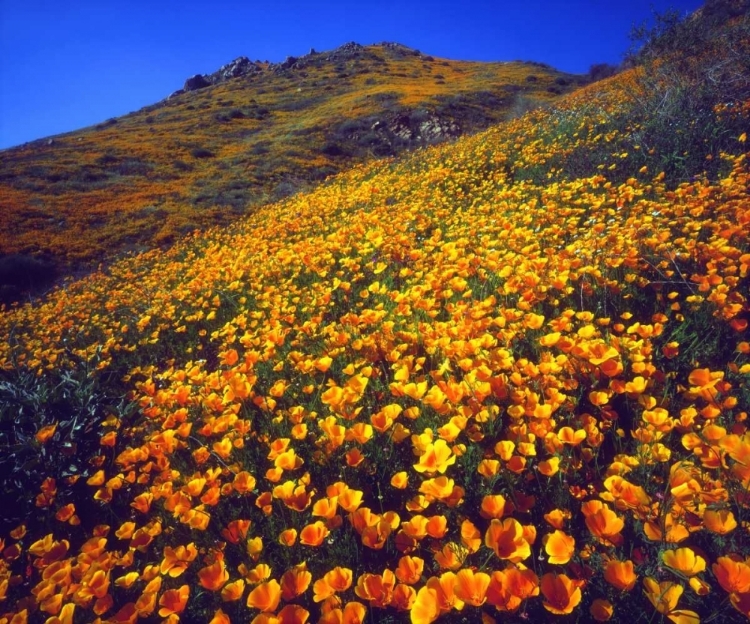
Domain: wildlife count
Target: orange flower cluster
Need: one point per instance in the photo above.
(423, 388)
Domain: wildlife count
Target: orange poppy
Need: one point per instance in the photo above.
(560, 547)
(220, 618)
(325, 507)
(733, 574)
(288, 537)
(507, 539)
(409, 569)
(684, 560)
(313, 534)
(376, 588)
(562, 594)
(603, 523)
(601, 610)
(549, 467)
(176, 560)
(254, 547)
(174, 601)
(471, 587)
(444, 587)
(336, 580)
(214, 576)
(265, 596)
(236, 530)
(720, 521)
(295, 581)
(425, 608)
(664, 596)
(403, 597)
(620, 574)
(493, 506)
(451, 556)
(509, 587)
(436, 457)
(400, 480)
(233, 591)
(471, 538)
(436, 526)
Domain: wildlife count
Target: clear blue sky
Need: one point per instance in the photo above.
(66, 64)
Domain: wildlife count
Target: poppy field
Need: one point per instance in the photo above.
(503, 379)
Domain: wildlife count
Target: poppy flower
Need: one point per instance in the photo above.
(561, 593)
(214, 576)
(733, 574)
(601, 610)
(176, 560)
(471, 587)
(288, 537)
(684, 560)
(509, 587)
(403, 597)
(335, 581)
(233, 591)
(603, 523)
(376, 588)
(265, 596)
(493, 506)
(313, 534)
(292, 614)
(720, 521)
(436, 526)
(437, 457)
(295, 582)
(451, 556)
(620, 574)
(664, 596)
(45, 433)
(507, 539)
(350, 499)
(560, 547)
(425, 608)
(254, 547)
(400, 480)
(409, 569)
(174, 601)
(258, 574)
(549, 467)
(471, 538)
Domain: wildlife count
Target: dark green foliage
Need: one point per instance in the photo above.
(77, 403)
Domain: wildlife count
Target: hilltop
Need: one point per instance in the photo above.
(250, 133)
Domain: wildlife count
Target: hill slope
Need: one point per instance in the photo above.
(507, 374)
(204, 157)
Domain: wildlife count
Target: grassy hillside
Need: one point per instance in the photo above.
(502, 379)
(206, 157)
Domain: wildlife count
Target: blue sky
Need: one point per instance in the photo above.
(66, 64)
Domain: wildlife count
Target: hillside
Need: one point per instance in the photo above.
(504, 378)
(261, 132)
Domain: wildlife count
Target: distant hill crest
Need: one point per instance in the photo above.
(243, 66)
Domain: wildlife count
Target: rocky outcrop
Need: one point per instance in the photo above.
(238, 67)
(241, 66)
(195, 82)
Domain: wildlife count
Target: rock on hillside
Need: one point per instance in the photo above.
(243, 66)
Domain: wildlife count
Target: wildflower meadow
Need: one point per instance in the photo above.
(503, 379)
